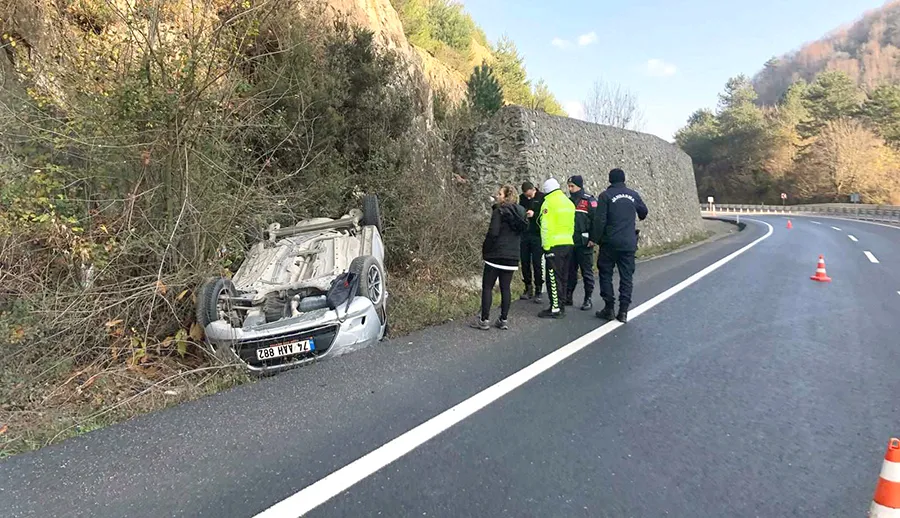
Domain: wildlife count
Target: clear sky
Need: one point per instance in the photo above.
(676, 55)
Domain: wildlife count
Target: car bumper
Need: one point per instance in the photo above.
(333, 331)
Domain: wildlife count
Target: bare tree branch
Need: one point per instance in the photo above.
(613, 105)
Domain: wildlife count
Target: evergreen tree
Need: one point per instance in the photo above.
(698, 138)
(542, 99)
(483, 90)
(744, 121)
(832, 96)
(882, 111)
(509, 69)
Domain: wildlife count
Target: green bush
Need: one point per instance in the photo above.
(441, 27)
(452, 26)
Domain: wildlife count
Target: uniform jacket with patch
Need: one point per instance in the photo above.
(614, 220)
(585, 209)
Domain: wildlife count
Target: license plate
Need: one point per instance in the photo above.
(289, 349)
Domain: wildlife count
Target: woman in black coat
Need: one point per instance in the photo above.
(501, 253)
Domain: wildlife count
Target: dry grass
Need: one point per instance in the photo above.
(74, 403)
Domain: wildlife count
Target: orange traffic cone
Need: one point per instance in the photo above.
(789, 225)
(820, 275)
(886, 502)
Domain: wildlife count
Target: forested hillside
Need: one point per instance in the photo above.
(866, 50)
(818, 125)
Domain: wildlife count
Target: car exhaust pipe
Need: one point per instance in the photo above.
(275, 232)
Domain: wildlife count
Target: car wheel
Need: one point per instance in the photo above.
(372, 212)
(371, 279)
(212, 300)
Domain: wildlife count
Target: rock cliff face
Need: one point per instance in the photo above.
(520, 144)
(39, 24)
(381, 17)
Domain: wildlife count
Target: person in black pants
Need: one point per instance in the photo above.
(500, 251)
(532, 253)
(614, 229)
(583, 252)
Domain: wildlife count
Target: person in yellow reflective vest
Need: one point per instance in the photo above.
(557, 222)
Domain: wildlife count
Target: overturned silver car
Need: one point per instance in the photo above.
(276, 313)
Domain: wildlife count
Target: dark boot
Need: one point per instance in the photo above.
(528, 293)
(588, 304)
(623, 314)
(538, 297)
(608, 312)
(548, 313)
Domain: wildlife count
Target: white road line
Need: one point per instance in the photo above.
(895, 227)
(871, 257)
(815, 222)
(853, 238)
(332, 485)
(836, 229)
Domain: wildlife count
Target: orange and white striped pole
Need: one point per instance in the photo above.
(886, 502)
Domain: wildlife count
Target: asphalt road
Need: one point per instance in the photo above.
(752, 392)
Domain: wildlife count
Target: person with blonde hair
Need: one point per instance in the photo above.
(500, 251)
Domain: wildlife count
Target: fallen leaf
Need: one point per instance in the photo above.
(182, 294)
(113, 323)
(196, 332)
(79, 373)
(3, 429)
(161, 288)
(89, 382)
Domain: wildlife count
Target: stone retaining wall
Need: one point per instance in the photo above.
(520, 144)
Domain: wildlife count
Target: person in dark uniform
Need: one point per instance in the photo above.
(583, 253)
(614, 230)
(532, 253)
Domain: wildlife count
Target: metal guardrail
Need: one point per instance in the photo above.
(878, 213)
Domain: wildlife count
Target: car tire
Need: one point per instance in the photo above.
(208, 299)
(372, 212)
(372, 283)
